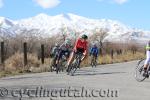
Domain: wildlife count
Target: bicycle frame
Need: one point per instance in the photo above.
(76, 63)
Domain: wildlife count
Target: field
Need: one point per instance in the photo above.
(14, 65)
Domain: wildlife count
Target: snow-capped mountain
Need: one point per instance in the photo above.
(45, 26)
(5, 28)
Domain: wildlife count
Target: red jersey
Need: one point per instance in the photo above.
(81, 44)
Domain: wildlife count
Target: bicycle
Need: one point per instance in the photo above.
(61, 65)
(75, 64)
(53, 61)
(139, 71)
(93, 61)
(52, 65)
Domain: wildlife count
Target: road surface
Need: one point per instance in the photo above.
(106, 82)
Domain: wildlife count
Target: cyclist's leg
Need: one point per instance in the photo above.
(147, 61)
(59, 57)
(91, 58)
(70, 60)
(95, 58)
(146, 64)
(54, 60)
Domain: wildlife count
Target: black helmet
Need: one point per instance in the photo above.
(84, 36)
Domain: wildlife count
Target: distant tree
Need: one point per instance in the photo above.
(99, 35)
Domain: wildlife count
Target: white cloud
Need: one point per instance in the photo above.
(120, 1)
(114, 1)
(1, 3)
(47, 3)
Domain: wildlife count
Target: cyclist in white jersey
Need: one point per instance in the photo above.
(147, 61)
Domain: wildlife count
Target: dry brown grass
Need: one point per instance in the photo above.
(129, 56)
(15, 62)
(14, 65)
(106, 59)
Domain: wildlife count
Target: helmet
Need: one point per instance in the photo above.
(67, 41)
(94, 45)
(56, 45)
(84, 36)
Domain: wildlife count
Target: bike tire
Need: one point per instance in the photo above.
(93, 62)
(57, 69)
(74, 68)
(139, 71)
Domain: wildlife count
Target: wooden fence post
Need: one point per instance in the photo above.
(42, 53)
(25, 53)
(112, 54)
(2, 53)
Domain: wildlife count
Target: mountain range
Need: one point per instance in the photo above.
(45, 26)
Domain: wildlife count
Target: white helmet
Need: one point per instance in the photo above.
(68, 41)
(56, 45)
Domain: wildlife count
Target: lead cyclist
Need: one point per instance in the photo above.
(81, 45)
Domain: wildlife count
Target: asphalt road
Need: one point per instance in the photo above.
(106, 82)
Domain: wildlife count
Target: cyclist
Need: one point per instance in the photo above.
(55, 49)
(147, 62)
(94, 51)
(54, 54)
(80, 46)
(63, 50)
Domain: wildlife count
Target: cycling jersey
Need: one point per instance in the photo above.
(94, 51)
(64, 50)
(147, 61)
(55, 50)
(148, 46)
(81, 45)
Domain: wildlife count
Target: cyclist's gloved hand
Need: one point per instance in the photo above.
(84, 54)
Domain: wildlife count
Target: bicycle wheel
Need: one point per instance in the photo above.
(95, 62)
(139, 71)
(61, 66)
(74, 67)
(57, 69)
(92, 61)
(52, 65)
(92, 64)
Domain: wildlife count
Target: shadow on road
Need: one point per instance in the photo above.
(82, 73)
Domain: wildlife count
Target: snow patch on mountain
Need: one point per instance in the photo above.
(45, 26)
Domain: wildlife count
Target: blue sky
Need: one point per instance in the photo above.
(134, 13)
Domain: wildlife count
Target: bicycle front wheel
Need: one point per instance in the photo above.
(74, 67)
(139, 71)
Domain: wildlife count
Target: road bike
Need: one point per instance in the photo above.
(93, 61)
(61, 64)
(75, 64)
(139, 71)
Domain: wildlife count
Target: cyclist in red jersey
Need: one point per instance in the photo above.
(81, 45)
